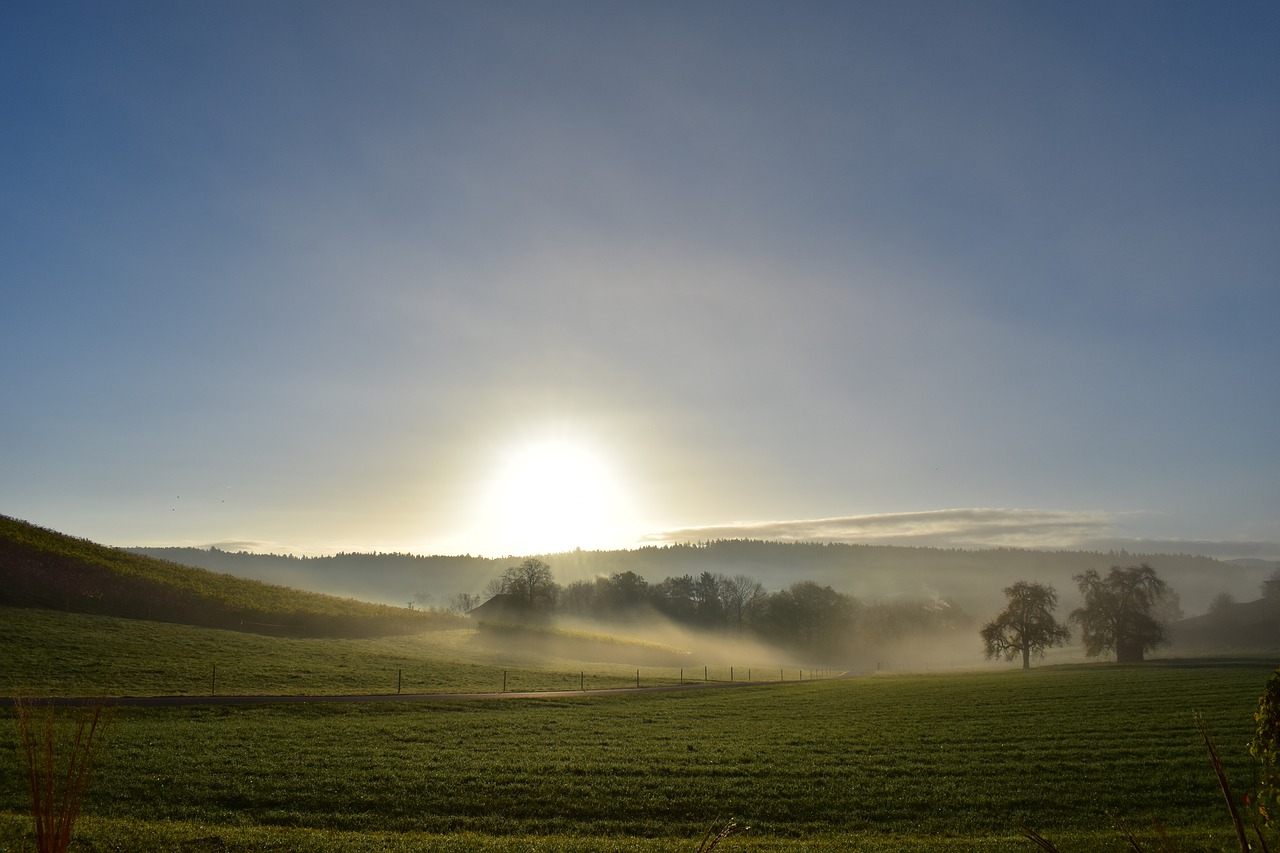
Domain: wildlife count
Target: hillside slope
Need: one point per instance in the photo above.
(1252, 625)
(387, 578)
(46, 569)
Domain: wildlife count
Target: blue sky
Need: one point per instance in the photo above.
(318, 276)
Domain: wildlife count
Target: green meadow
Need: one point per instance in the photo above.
(901, 762)
(56, 654)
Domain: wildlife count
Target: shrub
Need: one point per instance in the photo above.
(57, 759)
(1266, 749)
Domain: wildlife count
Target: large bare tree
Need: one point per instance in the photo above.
(1120, 612)
(1026, 626)
(532, 583)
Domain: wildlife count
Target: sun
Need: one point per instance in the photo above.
(553, 494)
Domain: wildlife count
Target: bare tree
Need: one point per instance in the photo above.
(1120, 612)
(1271, 587)
(1220, 607)
(531, 582)
(1026, 626)
(739, 594)
(464, 602)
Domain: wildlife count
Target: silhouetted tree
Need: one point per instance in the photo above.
(622, 592)
(1026, 626)
(810, 618)
(1220, 608)
(673, 597)
(1271, 587)
(1168, 607)
(531, 582)
(706, 598)
(463, 602)
(578, 599)
(739, 595)
(1119, 612)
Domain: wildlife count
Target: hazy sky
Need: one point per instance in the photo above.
(503, 277)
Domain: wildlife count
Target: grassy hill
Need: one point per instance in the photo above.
(44, 569)
(1252, 625)
(388, 578)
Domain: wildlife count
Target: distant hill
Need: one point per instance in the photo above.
(1264, 566)
(1232, 626)
(972, 578)
(388, 578)
(45, 569)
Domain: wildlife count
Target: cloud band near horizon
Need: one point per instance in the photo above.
(1038, 529)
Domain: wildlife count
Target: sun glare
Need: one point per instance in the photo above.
(553, 495)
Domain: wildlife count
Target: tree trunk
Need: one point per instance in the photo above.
(1129, 652)
(1026, 656)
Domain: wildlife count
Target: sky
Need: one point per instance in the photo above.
(507, 278)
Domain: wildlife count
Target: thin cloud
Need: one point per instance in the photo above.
(1037, 529)
(250, 546)
(959, 528)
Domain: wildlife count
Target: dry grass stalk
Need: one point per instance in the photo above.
(57, 760)
(1216, 760)
(713, 838)
(1038, 840)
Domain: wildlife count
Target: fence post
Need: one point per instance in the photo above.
(682, 676)
(504, 681)
(730, 675)
(637, 679)
(582, 681)
(213, 681)
(399, 674)
(704, 674)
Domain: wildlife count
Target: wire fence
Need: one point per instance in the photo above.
(235, 679)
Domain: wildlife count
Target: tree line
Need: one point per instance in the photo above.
(805, 617)
(1127, 612)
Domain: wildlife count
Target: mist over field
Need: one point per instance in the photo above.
(650, 640)
(654, 641)
(971, 578)
(859, 607)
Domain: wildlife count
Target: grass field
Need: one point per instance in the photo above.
(55, 654)
(899, 762)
